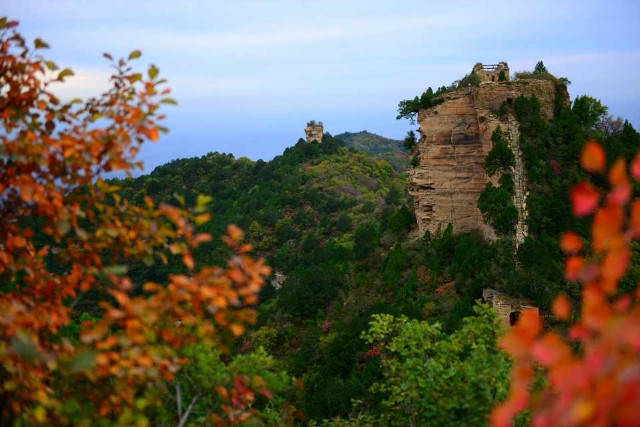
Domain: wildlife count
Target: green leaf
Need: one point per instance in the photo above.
(118, 270)
(153, 72)
(63, 227)
(65, 73)
(84, 361)
(51, 65)
(135, 77)
(169, 101)
(135, 54)
(40, 44)
(201, 203)
(25, 347)
(3, 21)
(179, 198)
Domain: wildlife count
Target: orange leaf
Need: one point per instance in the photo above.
(614, 266)
(529, 324)
(572, 267)
(187, 259)
(236, 329)
(606, 226)
(621, 187)
(617, 173)
(153, 134)
(635, 167)
(634, 219)
(234, 232)
(584, 198)
(570, 243)
(220, 302)
(19, 242)
(561, 307)
(592, 158)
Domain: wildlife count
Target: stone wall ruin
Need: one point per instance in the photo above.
(507, 307)
(491, 72)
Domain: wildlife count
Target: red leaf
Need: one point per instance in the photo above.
(550, 350)
(584, 198)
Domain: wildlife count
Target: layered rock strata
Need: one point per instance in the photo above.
(455, 137)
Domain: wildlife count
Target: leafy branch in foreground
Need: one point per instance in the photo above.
(593, 370)
(66, 234)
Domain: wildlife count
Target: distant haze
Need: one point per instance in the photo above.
(249, 74)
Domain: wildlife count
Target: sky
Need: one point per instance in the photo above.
(248, 75)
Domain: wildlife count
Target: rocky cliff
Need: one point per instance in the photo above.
(448, 172)
(314, 131)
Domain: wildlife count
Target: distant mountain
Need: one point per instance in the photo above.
(377, 146)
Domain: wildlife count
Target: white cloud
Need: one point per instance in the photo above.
(85, 83)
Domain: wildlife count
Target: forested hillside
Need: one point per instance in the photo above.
(378, 147)
(334, 224)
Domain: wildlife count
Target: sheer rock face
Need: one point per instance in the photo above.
(455, 139)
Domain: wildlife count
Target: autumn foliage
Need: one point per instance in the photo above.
(65, 232)
(592, 372)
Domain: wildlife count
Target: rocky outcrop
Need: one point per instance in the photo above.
(277, 280)
(448, 173)
(314, 131)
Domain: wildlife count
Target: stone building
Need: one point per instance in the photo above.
(507, 307)
(491, 72)
(314, 131)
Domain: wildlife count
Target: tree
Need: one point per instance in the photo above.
(410, 140)
(67, 235)
(592, 370)
(200, 390)
(540, 68)
(434, 379)
(470, 80)
(408, 109)
(498, 210)
(366, 240)
(500, 158)
(589, 111)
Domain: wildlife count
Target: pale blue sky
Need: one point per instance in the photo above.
(249, 74)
